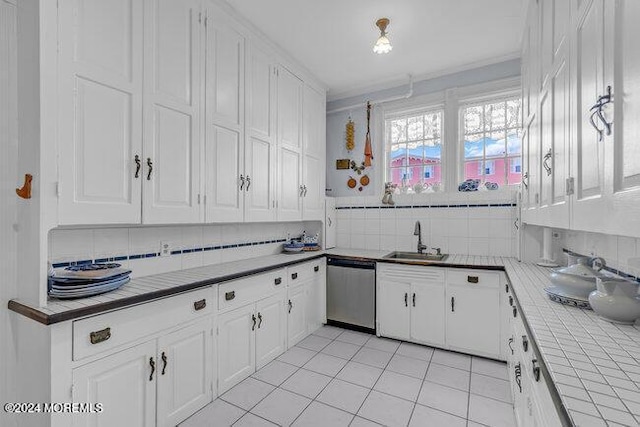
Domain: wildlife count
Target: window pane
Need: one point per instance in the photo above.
(498, 172)
(399, 130)
(433, 125)
(396, 175)
(513, 113)
(432, 150)
(495, 145)
(515, 170)
(473, 170)
(514, 142)
(398, 155)
(498, 116)
(415, 128)
(474, 146)
(473, 119)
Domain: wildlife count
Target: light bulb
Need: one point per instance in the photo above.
(383, 45)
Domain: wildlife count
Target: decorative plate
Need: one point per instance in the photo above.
(566, 299)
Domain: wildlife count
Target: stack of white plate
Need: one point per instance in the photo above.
(79, 281)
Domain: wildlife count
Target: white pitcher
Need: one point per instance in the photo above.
(616, 300)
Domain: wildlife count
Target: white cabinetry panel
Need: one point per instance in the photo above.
(100, 111)
(271, 329)
(236, 347)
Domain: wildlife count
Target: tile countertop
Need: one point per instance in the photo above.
(148, 288)
(595, 365)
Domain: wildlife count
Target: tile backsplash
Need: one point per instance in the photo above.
(189, 246)
(468, 224)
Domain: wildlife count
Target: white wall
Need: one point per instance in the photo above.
(472, 229)
(72, 245)
(8, 218)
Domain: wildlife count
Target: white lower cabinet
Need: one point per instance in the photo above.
(298, 314)
(473, 320)
(411, 303)
(249, 337)
(307, 299)
(158, 383)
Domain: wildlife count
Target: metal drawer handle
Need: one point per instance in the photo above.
(259, 320)
(253, 317)
(525, 343)
(153, 368)
(199, 305)
(518, 374)
(248, 183)
(515, 312)
(316, 268)
(406, 299)
(278, 281)
(241, 182)
(453, 304)
(536, 369)
(290, 306)
(228, 296)
(100, 336)
(506, 288)
(164, 362)
(473, 279)
(138, 165)
(294, 276)
(414, 299)
(511, 301)
(510, 342)
(150, 164)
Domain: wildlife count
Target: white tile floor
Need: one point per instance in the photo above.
(338, 378)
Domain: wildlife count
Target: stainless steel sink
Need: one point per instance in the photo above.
(416, 256)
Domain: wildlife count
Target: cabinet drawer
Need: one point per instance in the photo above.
(110, 330)
(411, 273)
(473, 278)
(237, 293)
(301, 273)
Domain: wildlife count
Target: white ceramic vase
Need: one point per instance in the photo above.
(616, 300)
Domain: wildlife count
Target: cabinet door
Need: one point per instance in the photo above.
(318, 296)
(393, 308)
(172, 111)
(224, 151)
(298, 314)
(184, 372)
(290, 189)
(589, 207)
(428, 313)
(314, 170)
(531, 159)
(473, 320)
(236, 347)
(271, 329)
(260, 150)
(100, 111)
(124, 383)
(622, 148)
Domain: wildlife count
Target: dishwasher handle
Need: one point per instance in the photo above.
(351, 263)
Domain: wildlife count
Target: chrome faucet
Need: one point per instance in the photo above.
(418, 232)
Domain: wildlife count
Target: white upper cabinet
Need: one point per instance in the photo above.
(225, 181)
(172, 111)
(260, 148)
(622, 148)
(314, 142)
(290, 190)
(100, 111)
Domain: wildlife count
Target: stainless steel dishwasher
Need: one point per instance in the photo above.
(351, 294)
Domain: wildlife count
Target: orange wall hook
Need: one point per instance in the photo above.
(25, 191)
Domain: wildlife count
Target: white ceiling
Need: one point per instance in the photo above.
(334, 38)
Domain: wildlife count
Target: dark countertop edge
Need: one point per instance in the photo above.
(50, 319)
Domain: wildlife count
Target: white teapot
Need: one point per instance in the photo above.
(616, 300)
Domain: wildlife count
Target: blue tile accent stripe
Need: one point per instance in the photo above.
(157, 254)
(463, 205)
(607, 268)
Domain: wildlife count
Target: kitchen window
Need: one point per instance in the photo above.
(414, 148)
(492, 141)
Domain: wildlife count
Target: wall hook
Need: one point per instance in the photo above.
(25, 191)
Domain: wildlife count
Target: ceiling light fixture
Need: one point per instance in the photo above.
(383, 45)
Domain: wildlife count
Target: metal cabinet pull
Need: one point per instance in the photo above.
(510, 342)
(536, 369)
(546, 158)
(518, 374)
(150, 164)
(525, 343)
(304, 194)
(316, 268)
(228, 296)
(406, 299)
(241, 182)
(413, 298)
(506, 288)
(511, 301)
(138, 165)
(301, 191)
(248, 183)
(329, 221)
(473, 279)
(453, 304)
(164, 362)
(515, 224)
(199, 305)
(525, 180)
(278, 281)
(100, 336)
(259, 320)
(515, 312)
(153, 368)
(290, 306)
(253, 317)
(294, 276)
